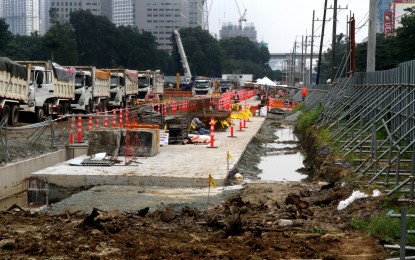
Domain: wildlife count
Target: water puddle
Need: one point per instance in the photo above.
(282, 165)
(286, 134)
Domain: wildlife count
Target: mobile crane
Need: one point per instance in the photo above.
(186, 68)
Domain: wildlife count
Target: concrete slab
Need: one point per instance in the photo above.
(174, 166)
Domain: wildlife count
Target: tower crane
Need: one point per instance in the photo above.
(242, 17)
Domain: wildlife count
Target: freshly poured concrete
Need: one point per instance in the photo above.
(174, 166)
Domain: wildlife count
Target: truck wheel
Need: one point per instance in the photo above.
(5, 115)
(104, 105)
(61, 109)
(66, 109)
(87, 109)
(40, 113)
(14, 115)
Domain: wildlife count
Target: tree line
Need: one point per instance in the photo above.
(93, 40)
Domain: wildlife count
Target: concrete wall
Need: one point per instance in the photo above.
(13, 174)
(76, 181)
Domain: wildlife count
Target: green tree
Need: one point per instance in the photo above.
(385, 54)
(341, 61)
(405, 37)
(6, 36)
(54, 16)
(202, 51)
(244, 56)
(240, 48)
(24, 47)
(96, 38)
(60, 41)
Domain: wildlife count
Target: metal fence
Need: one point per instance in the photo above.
(371, 118)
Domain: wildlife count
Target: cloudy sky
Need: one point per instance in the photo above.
(281, 22)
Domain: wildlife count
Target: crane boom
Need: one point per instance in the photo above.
(186, 67)
(242, 17)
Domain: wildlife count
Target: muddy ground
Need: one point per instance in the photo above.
(293, 220)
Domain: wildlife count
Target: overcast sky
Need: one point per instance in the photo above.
(280, 22)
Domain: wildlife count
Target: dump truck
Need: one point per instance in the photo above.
(92, 89)
(202, 87)
(51, 89)
(123, 88)
(150, 83)
(224, 85)
(14, 90)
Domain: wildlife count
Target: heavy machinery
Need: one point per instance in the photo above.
(150, 82)
(186, 67)
(14, 90)
(187, 73)
(123, 88)
(92, 89)
(51, 89)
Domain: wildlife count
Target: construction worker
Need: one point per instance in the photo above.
(199, 126)
(236, 97)
(304, 92)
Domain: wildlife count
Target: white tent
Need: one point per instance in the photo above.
(267, 82)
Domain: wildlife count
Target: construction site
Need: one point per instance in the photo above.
(113, 188)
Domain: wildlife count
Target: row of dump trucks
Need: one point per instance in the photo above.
(45, 88)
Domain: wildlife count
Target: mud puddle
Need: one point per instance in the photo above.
(282, 162)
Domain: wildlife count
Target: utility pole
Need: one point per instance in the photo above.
(371, 43)
(321, 44)
(333, 44)
(311, 51)
(293, 63)
(302, 59)
(305, 77)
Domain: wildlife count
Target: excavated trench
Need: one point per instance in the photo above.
(274, 154)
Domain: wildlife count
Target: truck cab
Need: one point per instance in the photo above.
(144, 85)
(51, 89)
(117, 90)
(83, 91)
(224, 85)
(202, 87)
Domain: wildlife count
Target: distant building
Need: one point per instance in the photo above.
(65, 7)
(44, 24)
(196, 13)
(232, 30)
(162, 17)
(119, 12)
(22, 16)
(1, 8)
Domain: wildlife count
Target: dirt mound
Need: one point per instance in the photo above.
(259, 222)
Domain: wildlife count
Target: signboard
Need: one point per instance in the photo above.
(387, 24)
(164, 137)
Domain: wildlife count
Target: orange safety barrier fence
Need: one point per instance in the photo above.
(282, 103)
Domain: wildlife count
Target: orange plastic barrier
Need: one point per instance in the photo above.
(279, 103)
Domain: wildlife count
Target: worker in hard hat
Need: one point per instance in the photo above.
(235, 97)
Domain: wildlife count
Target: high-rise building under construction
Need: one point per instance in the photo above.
(232, 30)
